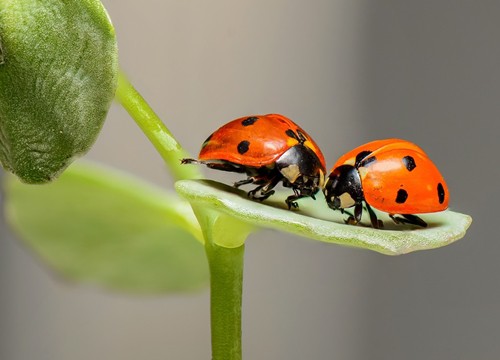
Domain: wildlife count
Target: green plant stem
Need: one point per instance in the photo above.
(156, 131)
(226, 285)
(226, 264)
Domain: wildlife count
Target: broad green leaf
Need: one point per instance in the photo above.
(316, 221)
(97, 226)
(58, 73)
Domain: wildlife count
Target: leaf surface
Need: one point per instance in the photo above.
(101, 227)
(316, 221)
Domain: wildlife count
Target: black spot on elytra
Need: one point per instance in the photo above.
(441, 193)
(301, 138)
(243, 146)
(291, 133)
(401, 196)
(361, 156)
(409, 162)
(249, 121)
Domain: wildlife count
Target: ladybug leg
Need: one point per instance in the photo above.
(262, 192)
(291, 200)
(356, 218)
(376, 223)
(408, 219)
(259, 194)
(243, 182)
(344, 211)
(299, 193)
(350, 220)
(358, 210)
(415, 220)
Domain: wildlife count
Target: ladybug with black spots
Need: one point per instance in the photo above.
(392, 175)
(270, 149)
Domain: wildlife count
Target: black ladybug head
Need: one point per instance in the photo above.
(343, 188)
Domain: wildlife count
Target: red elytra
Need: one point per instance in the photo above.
(266, 134)
(391, 175)
(269, 149)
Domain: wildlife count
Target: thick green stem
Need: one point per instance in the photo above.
(156, 131)
(226, 285)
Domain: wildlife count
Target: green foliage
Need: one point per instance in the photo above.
(316, 221)
(100, 227)
(58, 73)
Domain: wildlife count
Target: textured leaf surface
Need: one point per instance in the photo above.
(316, 221)
(100, 227)
(58, 72)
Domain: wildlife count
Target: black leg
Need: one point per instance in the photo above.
(358, 211)
(255, 193)
(350, 216)
(344, 211)
(291, 200)
(376, 223)
(262, 192)
(356, 218)
(350, 220)
(408, 219)
(243, 182)
(299, 193)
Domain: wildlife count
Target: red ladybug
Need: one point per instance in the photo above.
(269, 149)
(392, 175)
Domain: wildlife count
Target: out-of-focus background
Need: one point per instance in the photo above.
(349, 72)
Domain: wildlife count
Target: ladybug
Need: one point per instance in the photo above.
(392, 175)
(269, 149)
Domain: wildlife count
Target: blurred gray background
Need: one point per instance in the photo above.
(349, 72)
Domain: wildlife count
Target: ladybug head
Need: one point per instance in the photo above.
(343, 188)
(301, 169)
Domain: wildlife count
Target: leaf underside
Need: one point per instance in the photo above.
(100, 227)
(316, 221)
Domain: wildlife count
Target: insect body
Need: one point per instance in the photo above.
(393, 176)
(269, 149)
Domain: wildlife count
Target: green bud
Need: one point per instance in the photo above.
(58, 72)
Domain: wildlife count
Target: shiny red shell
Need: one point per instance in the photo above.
(398, 177)
(255, 141)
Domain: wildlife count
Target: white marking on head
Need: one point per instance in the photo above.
(346, 201)
(291, 172)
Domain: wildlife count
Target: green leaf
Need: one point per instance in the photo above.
(316, 221)
(58, 74)
(101, 227)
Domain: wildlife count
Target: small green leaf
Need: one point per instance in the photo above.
(58, 73)
(98, 226)
(316, 221)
